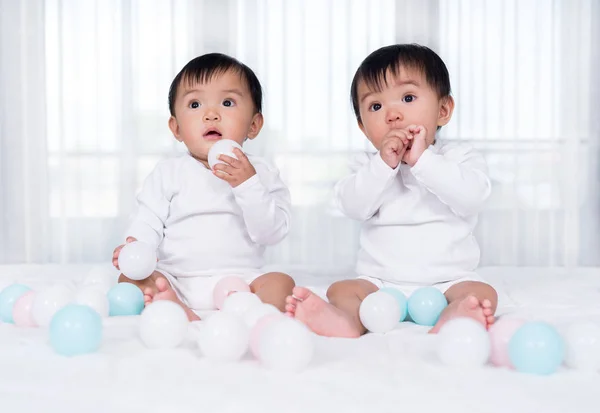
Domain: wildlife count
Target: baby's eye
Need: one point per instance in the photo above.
(228, 103)
(375, 107)
(409, 98)
(194, 104)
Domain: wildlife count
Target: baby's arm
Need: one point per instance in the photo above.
(266, 205)
(153, 207)
(457, 177)
(360, 194)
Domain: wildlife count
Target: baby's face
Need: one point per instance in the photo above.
(221, 108)
(407, 99)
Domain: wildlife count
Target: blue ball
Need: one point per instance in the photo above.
(425, 306)
(8, 297)
(125, 299)
(536, 348)
(400, 298)
(75, 329)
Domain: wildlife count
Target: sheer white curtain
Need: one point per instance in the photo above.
(83, 113)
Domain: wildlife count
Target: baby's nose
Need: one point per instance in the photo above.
(211, 116)
(394, 116)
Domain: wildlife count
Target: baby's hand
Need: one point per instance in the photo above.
(393, 147)
(234, 171)
(117, 251)
(418, 136)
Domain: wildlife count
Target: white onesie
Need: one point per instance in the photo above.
(418, 222)
(204, 229)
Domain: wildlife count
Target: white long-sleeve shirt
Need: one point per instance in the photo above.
(417, 222)
(202, 226)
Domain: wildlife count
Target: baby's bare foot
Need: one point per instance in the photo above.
(466, 307)
(164, 291)
(488, 312)
(320, 316)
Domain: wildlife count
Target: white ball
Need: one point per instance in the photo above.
(223, 337)
(379, 312)
(222, 147)
(257, 312)
(286, 345)
(48, 301)
(463, 342)
(163, 324)
(137, 260)
(93, 297)
(100, 277)
(240, 302)
(583, 346)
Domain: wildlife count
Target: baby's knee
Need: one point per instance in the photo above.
(275, 278)
(340, 288)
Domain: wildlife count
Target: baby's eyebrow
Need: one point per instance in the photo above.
(234, 91)
(408, 82)
(366, 96)
(190, 91)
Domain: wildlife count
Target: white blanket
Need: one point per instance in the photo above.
(395, 372)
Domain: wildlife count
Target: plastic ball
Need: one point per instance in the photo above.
(125, 299)
(8, 298)
(286, 345)
(255, 313)
(226, 286)
(137, 260)
(425, 306)
(48, 301)
(75, 329)
(222, 147)
(163, 324)
(400, 298)
(536, 348)
(259, 327)
(463, 342)
(93, 297)
(22, 314)
(223, 337)
(379, 312)
(500, 334)
(100, 277)
(239, 303)
(583, 346)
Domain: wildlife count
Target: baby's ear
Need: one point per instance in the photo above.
(256, 126)
(446, 110)
(174, 126)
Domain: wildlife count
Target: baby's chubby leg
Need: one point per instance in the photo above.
(273, 288)
(338, 318)
(472, 299)
(157, 287)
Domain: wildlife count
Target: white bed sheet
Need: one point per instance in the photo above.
(376, 373)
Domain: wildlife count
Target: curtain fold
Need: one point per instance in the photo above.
(83, 114)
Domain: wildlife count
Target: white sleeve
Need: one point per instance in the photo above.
(266, 206)
(457, 177)
(360, 194)
(153, 207)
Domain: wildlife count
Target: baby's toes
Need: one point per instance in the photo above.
(290, 308)
(487, 311)
(485, 303)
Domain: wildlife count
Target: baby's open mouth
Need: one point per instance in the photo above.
(212, 134)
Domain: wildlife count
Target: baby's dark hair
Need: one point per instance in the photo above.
(203, 68)
(374, 68)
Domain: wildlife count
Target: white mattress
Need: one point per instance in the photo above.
(377, 373)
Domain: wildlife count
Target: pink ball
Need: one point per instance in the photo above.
(22, 310)
(226, 286)
(500, 334)
(259, 328)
